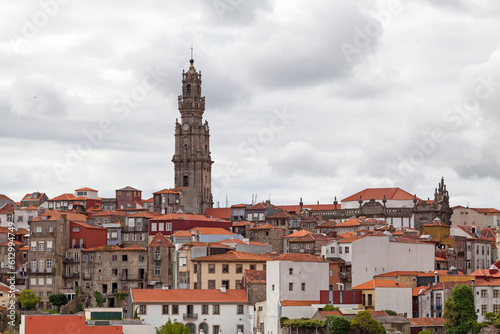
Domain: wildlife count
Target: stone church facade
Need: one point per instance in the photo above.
(192, 160)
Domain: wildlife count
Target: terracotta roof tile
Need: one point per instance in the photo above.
(151, 296)
(298, 257)
(211, 230)
(420, 322)
(86, 189)
(182, 233)
(244, 223)
(222, 213)
(300, 233)
(233, 256)
(255, 276)
(166, 191)
(299, 302)
(379, 193)
(159, 240)
(63, 197)
(400, 273)
(379, 283)
(4, 197)
(266, 226)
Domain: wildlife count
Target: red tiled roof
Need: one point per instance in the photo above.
(55, 215)
(379, 283)
(86, 189)
(159, 240)
(211, 230)
(255, 276)
(82, 224)
(299, 302)
(329, 223)
(185, 216)
(15, 242)
(445, 285)
(400, 273)
(298, 257)
(379, 193)
(440, 273)
(486, 210)
(145, 214)
(166, 191)
(182, 233)
(239, 205)
(203, 244)
(416, 291)
(222, 213)
(266, 226)
(4, 197)
(423, 322)
(297, 234)
(47, 324)
(197, 296)
(7, 208)
(233, 256)
(280, 214)
(243, 223)
(350, 223)
(63, 197)
(325, 313)
(110, 213)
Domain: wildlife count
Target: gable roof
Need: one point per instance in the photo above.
(379, 193)
(128, 188)
(196, 296)
(297, 234)
(211, 230)
(86, 189)
(266, 226)
(4, 197)
(222, 213)
(63, 197)
(159, 240)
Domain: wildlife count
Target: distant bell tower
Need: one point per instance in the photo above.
(192, 161)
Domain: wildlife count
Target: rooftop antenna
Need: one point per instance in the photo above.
(192, 50)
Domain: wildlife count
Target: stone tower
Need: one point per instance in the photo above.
(192, 161)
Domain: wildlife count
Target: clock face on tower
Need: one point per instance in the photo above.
(185, 127)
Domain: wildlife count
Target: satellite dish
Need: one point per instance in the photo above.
(70, 206)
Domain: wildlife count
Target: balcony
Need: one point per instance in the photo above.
(345, 275)
(71, 275)
(70, 260)
(190, 316)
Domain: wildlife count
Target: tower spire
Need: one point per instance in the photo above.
(192, 51)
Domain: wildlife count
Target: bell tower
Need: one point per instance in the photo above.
(192, 161)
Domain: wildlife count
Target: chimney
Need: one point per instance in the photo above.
(435, 277)
(223, 288)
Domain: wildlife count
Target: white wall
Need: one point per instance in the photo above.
(396, 299)
(228, 318)
(374, 255)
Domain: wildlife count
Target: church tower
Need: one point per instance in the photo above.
(192, 161)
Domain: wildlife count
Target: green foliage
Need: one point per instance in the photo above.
(77, 291)
(79, 307)
(329, 307)
(29, 299)
(121, 295)
(391, 312)
(58, 299)
(459, 311)
(363, 323)
(338, 324)
(99, 299)
(175, 328)
(303, 323)
(136, 313)
(51, 311)
(425, 332)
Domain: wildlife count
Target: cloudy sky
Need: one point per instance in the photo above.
(311, 99)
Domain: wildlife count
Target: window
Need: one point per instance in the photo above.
(303, 286)
(253, 266)
(216, 329)
(33, 281)
(158, 256)
(161, 227)
(225, 283)
(496, 308)
(239, 268)
(168, 226)
(164, 309)
(38, 229)
(125, 237)
(239, 309)
(85, 257)
(237, 284)
(204, 309)
(239, 329)
(41, 246)
(76, 229)
(91, 257)
(308, 246)
(141, 258)
(153, 227)
(211, 268)
(211, 284)
(347, 250)
(49, 245)
(495, 293)
(215, 309)
(340, 250)
(114, 258)
(33, 246)
(370, 300)
(175, 309)
(124, 258)
(484, 293)
(290, 271)
(48, 281)
(290, 286)
(484, 309)
(157, 270)
(49, 263)
(142, 309)
(225, 268)
(40, 281)
(331, 272)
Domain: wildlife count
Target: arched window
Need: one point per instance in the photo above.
(204, 328)
(186, 181)
(192, 328)
(188, 88)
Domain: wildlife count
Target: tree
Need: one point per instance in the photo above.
(459, 311)
(169, 328)
(28, 299)
(338, 324)
(363, 323)
(391, 312)
(329, 307)
(58, 299)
